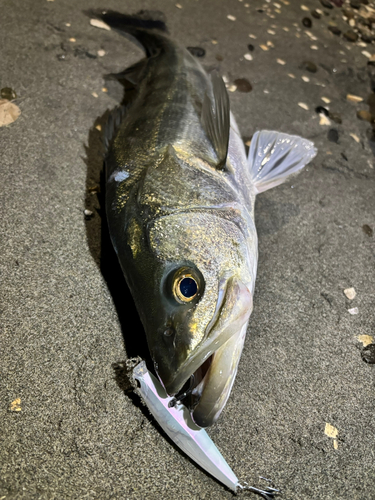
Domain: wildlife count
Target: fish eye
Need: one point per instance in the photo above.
(185, 286)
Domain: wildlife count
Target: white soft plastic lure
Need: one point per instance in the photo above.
(175, 419)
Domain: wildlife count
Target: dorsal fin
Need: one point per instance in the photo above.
(215, 118)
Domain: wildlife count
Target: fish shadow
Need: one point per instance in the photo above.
(100, 245)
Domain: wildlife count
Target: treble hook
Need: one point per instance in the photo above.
(178, 398)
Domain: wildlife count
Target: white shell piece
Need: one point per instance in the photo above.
(177, 423)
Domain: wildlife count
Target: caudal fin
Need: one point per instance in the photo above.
(274, 156)
(146, 26)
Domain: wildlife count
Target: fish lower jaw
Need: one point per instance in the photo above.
(215, 379)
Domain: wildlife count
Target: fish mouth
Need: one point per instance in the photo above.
(203, 383)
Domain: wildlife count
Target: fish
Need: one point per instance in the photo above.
(180, 195)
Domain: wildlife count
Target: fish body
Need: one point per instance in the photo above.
(180, 206)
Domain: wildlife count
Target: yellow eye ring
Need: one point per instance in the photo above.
(185, 288)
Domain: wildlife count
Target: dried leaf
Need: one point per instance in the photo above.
(16, 405)
(9, 112)
(365, 339)
(330, 431)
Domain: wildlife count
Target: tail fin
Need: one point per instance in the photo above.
(274, 156)
(145, 26)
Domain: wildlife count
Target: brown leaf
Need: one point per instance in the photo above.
(9, 112)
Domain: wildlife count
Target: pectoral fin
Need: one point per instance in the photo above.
(274, 156)
(215, 118)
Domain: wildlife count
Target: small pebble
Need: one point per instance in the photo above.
(7, 93)
(231, 18)
(353, 311)
(368, 354)
(101, 53)
(291, 75)
(348, 13)
(351, 23)
(270, 44)
(311, 36)
(335, 30)
(326, 100)
(354, 98)
(281, 61)
(252, 36)
(355, 137)
(98, 127)
(305, 79)
(322, 110)
(315, 14)
(367, 54)
(355, 4)
(104, 89)
(232, 88)
(350, 293)
(303, 105)
(326, 4)
(271, 32)
(367, 230)
(264, 47)
(366, 38)
(197, 51)
(88, 214)
(314, 47)
(365, 115)
(72, 40)
(248, 57)
(67, 25)
(324, 120)
(306, 21)
(351, 36)
(303, 7)
(333, 135)
(285, 28)
(94, 94)
(309, 66)
(178, 5)
(243, 85)
(214, 42)
(250, 47)
(335, 117)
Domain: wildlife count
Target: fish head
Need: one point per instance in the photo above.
(195, 304)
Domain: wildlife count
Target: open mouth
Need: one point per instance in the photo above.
(208, 388)
(192, 390)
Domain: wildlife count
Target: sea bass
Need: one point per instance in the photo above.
(180, 196)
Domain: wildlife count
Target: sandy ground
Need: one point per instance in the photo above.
(67, 428)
